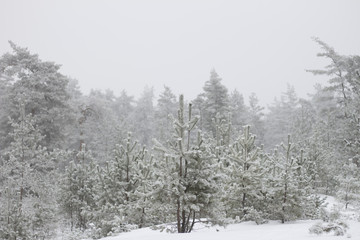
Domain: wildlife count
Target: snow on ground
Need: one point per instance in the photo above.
(298, 230)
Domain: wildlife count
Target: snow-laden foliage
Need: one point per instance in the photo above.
(77, 194)
(28, 201)
(206, 168)
(41, 89)
(243, 185)
(337, 228)
(191, 178)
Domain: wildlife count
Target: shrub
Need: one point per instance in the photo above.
(338, 228)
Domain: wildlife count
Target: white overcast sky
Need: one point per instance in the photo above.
(255, 46)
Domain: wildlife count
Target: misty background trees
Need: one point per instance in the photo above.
(105, 162)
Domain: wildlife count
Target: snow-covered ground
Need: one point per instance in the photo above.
(298, 230)
(272, 231)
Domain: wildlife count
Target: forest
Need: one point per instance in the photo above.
(91, 165)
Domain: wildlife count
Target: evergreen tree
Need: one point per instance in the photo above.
(344, 73)
(124, 191)
(239, 111)
(167, 105)
(6, 109)
(95, 124)
(28, 204)
(216, 101)
(305, 121)
(191, 179)
(255, 118)
(199, 109)
(77, 195)
(341, 119)
(71, 129)
(349, 184)
(101, 127)
(41, 88)
(280, 120)
(124, 107)
(144, 117)
(244, 188)
(289, 194)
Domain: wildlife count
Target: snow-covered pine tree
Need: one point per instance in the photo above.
(167, 105)
(243, 187)
(97, 124)
(124, 110)
(28, 188)
(41, 88)
(344, 98)
(6, 109)
(143, 211)
(255, 118)
(77, 194)
(349, 184)
(288, 190)
(191, 179)
(319, 161)
(239, 111)
(215, 102)
(124, 190)
(288, 194)
(223, 130)
(124, 106)
(280, 120)
(144, 117)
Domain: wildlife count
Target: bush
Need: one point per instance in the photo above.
(254, 215)
(338, 228)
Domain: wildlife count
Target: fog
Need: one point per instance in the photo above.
(255, 46)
